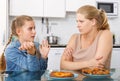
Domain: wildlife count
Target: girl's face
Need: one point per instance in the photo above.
(27, 31)
(84, 25)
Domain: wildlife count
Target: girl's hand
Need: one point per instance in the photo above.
(29, 46)
(68, 54)
(44, 49)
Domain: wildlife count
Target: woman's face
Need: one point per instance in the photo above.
(27, 31)
(84, 25)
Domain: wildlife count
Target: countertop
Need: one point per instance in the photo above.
(116, 46)
(58, 45)
(64, 45)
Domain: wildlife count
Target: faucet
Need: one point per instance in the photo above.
(47, 25)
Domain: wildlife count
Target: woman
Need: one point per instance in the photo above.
(93, 45)
(25, 54)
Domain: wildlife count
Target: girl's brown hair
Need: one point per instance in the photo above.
(91, 12)
(18, 22)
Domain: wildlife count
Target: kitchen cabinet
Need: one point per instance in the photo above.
(73, 5)
(3, 21)
(54, 8)
(38, 8)
(26, 7)
(54, 57)
(115, 59)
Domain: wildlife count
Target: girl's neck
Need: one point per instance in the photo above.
(20, 41)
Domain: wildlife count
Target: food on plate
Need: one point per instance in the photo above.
(61, 74)
(96, 71)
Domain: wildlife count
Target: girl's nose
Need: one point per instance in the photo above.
(34, 31)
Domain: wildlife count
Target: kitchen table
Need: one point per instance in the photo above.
(44, 76)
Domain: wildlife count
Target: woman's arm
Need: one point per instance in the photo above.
(105, 44)
(103, 51)
(68, 64)
(66, 59)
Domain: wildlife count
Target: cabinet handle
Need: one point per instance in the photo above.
(57, 53)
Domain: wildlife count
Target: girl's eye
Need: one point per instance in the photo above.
(30, 28)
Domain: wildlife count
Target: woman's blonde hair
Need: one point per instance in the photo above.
(91, 12)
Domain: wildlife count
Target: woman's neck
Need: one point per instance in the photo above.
(91, 35)
(87, 39)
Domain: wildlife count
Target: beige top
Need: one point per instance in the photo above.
(87, 53)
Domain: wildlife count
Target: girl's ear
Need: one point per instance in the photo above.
(18, 31)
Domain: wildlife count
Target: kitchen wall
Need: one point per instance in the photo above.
(61, 27)
(65, 27)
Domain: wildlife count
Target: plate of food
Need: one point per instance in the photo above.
(96, 72)
(67, 75)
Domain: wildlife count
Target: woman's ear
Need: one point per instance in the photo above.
(93, 21)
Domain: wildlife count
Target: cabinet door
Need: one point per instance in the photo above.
(73, 5)
(115, 59)
(54, 58)
(3, 21)
(54, 8)
(26, 7)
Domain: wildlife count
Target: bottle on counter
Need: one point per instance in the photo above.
(113, 38)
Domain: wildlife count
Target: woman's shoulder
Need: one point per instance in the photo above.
(75, 35)
(106, 33)
(73, 39)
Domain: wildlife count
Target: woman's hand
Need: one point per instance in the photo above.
(68, 54)
(29, 46)
(44, 49)
(97, 62)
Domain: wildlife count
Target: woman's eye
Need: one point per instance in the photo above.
(79, 21)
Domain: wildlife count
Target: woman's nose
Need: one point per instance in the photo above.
(78, 25)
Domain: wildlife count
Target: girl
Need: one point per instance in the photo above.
(24, 53)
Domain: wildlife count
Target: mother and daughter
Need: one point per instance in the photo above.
(91, 47)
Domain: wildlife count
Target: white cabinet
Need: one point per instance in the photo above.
(54, 8)
(3, 20)
(26, 7)
(39, 8)
(115, 60)
(54, 58)
(73, 5)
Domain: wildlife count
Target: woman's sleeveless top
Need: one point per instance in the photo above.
(89, 52)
